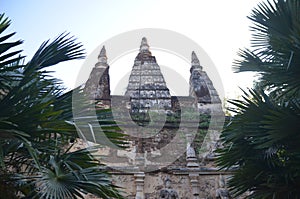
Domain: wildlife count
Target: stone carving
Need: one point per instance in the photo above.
(168, 192)
(222, 192)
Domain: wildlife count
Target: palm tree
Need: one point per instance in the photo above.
(36, 127)
(262, 139)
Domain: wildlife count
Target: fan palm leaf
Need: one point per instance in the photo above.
(262, 141)
(275, 46)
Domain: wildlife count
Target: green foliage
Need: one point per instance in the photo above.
(69, 175)
(262, 139)
(36, 126)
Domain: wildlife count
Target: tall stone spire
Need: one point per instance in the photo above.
(102, 59)
(198, 86)
(195, 61)
(98, 85)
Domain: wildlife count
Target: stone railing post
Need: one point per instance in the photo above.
(193, 167)
(139, 183)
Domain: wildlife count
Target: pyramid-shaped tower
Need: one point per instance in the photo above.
(97, 86)
(201, 87)
(147, 87)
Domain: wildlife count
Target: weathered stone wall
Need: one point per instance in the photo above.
(181, 183)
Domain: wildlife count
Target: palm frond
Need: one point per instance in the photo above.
(63, 48)
(71, 175)
(275, 46)
(262, 141)
(36, 125)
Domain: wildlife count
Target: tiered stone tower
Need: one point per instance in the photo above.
(147, 87)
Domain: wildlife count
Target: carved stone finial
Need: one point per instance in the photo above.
(191, 159)
(102, 58)
(144, 45)
(144, 41)
(195, 61)
(102, 52)
(190, 151)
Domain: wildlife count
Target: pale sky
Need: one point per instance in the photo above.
(219, 27)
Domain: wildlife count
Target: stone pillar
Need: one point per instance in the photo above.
(139, 182)
(193, 167)
(195, 184)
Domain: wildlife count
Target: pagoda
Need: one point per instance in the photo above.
(143, 169)
(147, 87)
